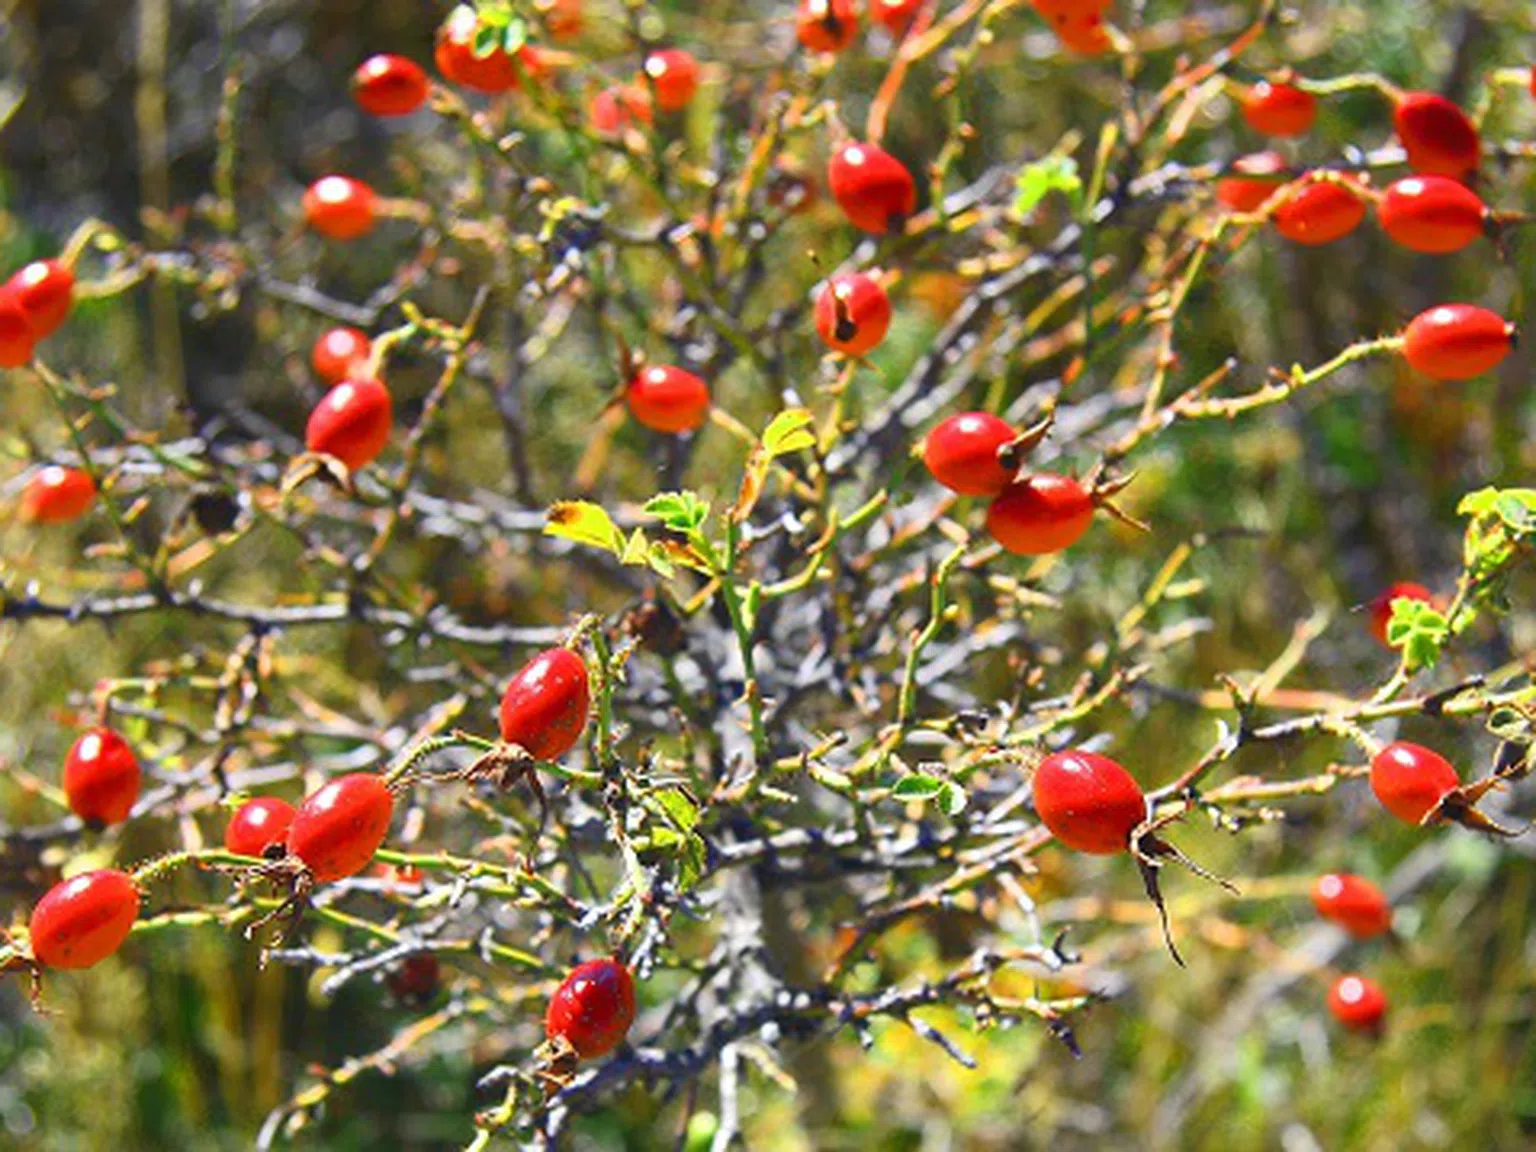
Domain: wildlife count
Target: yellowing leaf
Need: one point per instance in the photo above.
(788, 432)
(585, 523)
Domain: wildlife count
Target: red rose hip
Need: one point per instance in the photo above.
(1279, 109)
(351, 422)
(17, 339)
(258, 826)
(853, 314)
(961, 453)
(1088, 801)
(668, 399)
(1457, 341)
(593, 1008)
(101, 777)
(674, 75)
(1040, 514)
(1318, 212)
(895, 15)
(340, 208)
(1411, 780)
(45, 290)
(873, 188)
(1358, 1003)
(83, 920)
(340, 826)
(1353, 903)
(1255, 178)
(57, 495)
(1433, 214)
(1438, 136)
(340, 353)
(544, 707)
(1381, 608)
(826, 25)
(388, 85)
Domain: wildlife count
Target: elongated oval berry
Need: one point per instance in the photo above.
(1040, 514)
(674, 75)
(961, 452)
(1438, 136)
(1358, 1003)
(1318, 212)
(593, 1008)
(351, 422)
(544, 707)
(826, 25)
(389, 85)
(83, 920)
(340, 208)
(853, 314)
(340, 826)
(101, 777)
(668, 399)
(1088, 801)
(1432, 214)
(895, 15)
(617, 108)
(1279, 109)
(259, 826)
(1353, 903)
(16, 337)
(339, 354)
(1381, 608)
(57, 495)
(1255, 178)
(1410, 780)
(1457, 341)
(45, 289)
(872, 187)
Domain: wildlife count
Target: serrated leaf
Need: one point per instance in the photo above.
(637, 549)
(917, 787)
(691, 862)
(487, 40)
(1514, 510)
(1038, 180)
(677, 807)
(1477, 503)
(585, 523)
(788, 432)
(681, 511)
(659, 563)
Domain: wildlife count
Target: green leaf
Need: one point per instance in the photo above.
(1038, 180)
(637, 549)
(788, 432)
(681, 512)
(1478, 503)
(1419, 629)
(917, 787)
(1517, 508)
(677, 807)
(514, 37)
(690, 864)
(487, 40)
(952, 799)
(585, 523)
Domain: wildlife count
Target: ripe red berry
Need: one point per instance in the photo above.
(674, 74)
(853, 314)
(895, 15)
(1040, 514)
(101, 777)
(16, 336)
(1410, 780)
(83, 920)
(57, 495)
(45, 290)
(668, 399)
(1457, 341)
(1432, 213)
(617, 108)
(351, 422)
(1256, 178)
(1061, 11)
(1358, 1003)
(339, 353)
(961, 452)
(593, 1008)
(1279, 109)
(562, 18)
(872, 187)
(415, 978)
(1437, 135)
(545, 705)
(1318, 212)
(1381, 608)
(1352, 902)
(492, 73)
(340, 208)
(388, 85)
(1088, 801)
(259, 825)
(826, 25)
(340, 826)
(1086, 36)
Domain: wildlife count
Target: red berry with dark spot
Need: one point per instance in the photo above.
(593, 1008)
(1381, 607)
(351, 422)
(101, 777)
(872, 187)
(1358, 1003)
(895, 15)
(1318, 211)
(340, 826)
(961, 452)
(1088, 801)
(674, 74)
(57, 495)
(339, 354)
(1410, 780)
(1040, 514)
(45, 289)
(1255, 179)
(853, 314)
(668, 399)
(83, 920)
(16, 336)
(826, 25)
(1353, 903)
(1457, 341)
(545, 706)
(1438, 136)
(1279, 109)
(388, 85)
(259, 826)
(1432, 214)
(340, 208)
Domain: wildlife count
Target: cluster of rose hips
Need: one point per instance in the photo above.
(331, 835)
